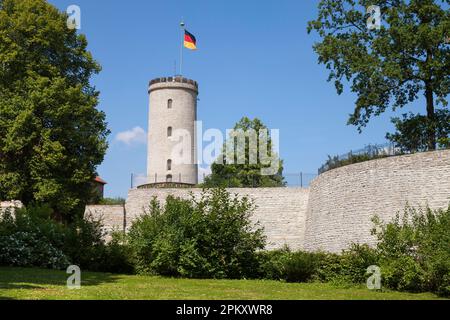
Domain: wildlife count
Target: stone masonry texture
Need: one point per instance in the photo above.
(336, 210)
(111, 216)
(280, 211)
(343, 201)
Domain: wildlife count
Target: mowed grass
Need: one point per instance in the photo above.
(38, 284)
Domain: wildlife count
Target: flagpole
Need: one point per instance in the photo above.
(181, 47)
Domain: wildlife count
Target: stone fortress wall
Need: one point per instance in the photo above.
(343, 201)
(113, 217)
(280, 211)
(337, 208)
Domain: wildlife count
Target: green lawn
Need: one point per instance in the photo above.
(19, 283)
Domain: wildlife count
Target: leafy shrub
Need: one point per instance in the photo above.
(85, 244)
(111, 201)
(211, 237)
(272, 264)
(31, 238)
(370, 152)
(302, 266)
(330, 268)
(118, 255)
(26, 249)
(355, 261)
(414, 251)
(297, 266)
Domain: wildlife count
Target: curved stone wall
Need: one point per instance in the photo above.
(343, 201)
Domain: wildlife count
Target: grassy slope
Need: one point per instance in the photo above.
(18, 283)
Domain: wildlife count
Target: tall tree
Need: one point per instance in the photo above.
(52, 137)
(246, 173)
(391, 65)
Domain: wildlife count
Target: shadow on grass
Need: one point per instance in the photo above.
(36, 279)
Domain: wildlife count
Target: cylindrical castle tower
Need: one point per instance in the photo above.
(172, 150)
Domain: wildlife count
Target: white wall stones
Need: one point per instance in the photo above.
(112, 216)
(343, 201)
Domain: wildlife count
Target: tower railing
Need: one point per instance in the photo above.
(174, 79)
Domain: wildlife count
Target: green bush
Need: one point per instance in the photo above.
(27, 249)
(211, 237)
(118, 255)
(413, 254)
(84, 243)
(111, 201)
(414, 251)
(349, 267)
(355, 262)
(31, 238)
(296, 266)
(302, 266)
(272, 264)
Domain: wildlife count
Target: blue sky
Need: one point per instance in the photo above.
(255, 59)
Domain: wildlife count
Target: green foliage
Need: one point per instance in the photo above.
(236, 175)
(211, 237)
(412, 131)
(272, 264)
(370, 152)
(52, 137)
(31, 238)
(302, 266)
(118, 257)
(391, 66)
(347, 268)
(111, 201)
(84, 243)
(414, 251)
(352, 265)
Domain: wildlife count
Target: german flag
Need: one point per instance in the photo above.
(189, 40)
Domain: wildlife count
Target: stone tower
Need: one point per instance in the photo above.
(172, 151)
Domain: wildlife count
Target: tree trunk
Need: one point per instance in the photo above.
(431, 117)
(431, 131)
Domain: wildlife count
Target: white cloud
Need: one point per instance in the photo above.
(136, 135)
